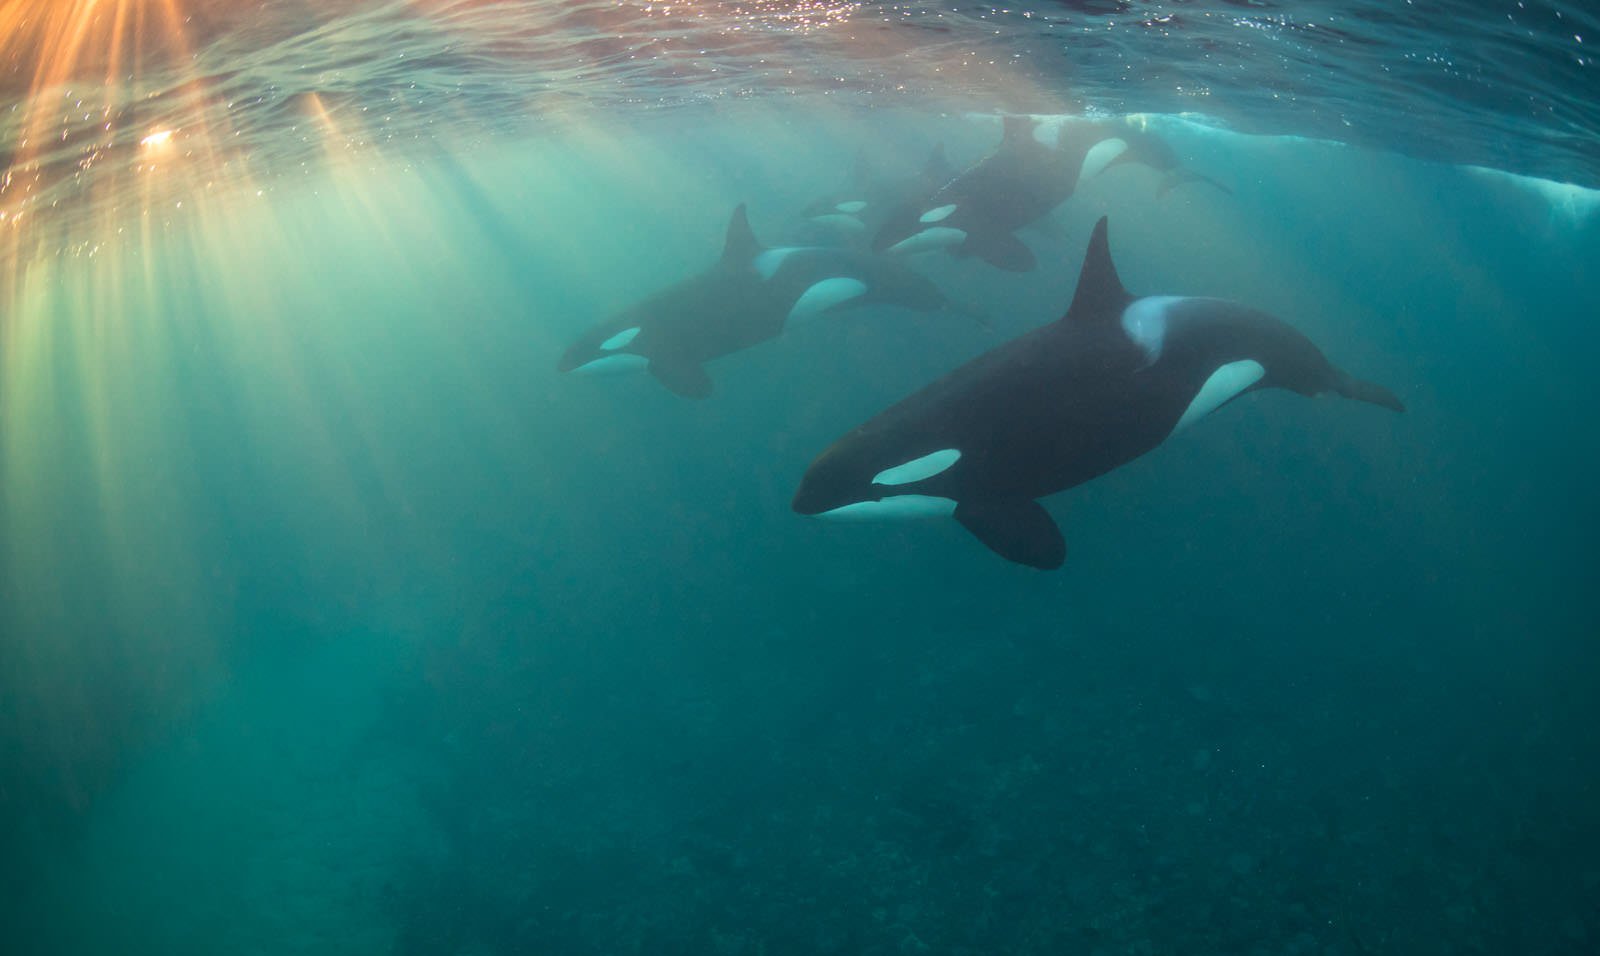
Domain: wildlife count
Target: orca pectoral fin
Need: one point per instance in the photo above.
(1001, 250)
(1018, 530)
(1364, 391)
(688, 379)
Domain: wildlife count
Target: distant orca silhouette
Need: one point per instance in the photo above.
(1107, 382)
(751, 294)
(977, 212)
(1115, 141)
(857, 210)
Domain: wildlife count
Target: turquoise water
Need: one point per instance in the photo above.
(336, 621)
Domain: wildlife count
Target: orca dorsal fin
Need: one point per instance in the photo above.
(1100, 293)
(741, 244)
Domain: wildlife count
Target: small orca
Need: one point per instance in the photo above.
(1110, 380)
(977, 212)
(1129, 139)
(750, 295)
(856, 211)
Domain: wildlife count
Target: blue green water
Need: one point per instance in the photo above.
(336, 621)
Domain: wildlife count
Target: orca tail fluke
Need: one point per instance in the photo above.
(1178, 177)
(1370, 392)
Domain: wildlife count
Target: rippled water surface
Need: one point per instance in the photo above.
(84, 82)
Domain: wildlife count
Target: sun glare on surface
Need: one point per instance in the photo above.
(110, 135)
(214, 215)
(84, 77)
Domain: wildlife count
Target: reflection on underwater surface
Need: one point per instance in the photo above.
(334, 619)
(255, 92)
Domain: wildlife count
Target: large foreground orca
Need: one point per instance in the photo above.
(750, 295)
(977, 212)
(1107, 382)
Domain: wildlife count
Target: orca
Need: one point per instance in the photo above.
(751, 294)
(977, 212)
(855, 212)
(1110, 142)
(1107, 382)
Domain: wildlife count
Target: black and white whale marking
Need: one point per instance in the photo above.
(1110, 380)
(1114, 141)
(977, 212)
(856, 211)
(751, 294)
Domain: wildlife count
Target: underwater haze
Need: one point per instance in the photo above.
(334, 618)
